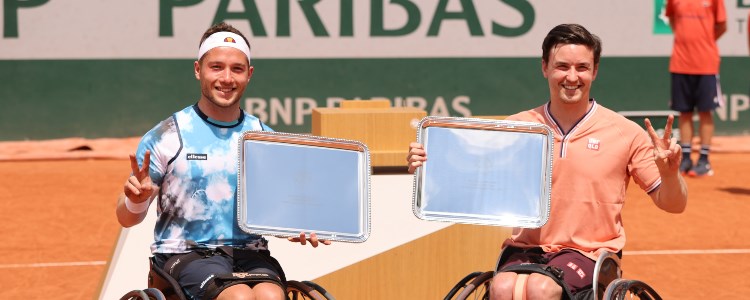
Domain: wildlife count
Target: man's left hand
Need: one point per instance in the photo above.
(667, 153)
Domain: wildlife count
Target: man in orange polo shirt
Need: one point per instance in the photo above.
(597, 151)
(694, 67)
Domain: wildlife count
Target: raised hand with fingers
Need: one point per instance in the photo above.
(671, 195)
(314, 241)
(138, 188)
(667, 153)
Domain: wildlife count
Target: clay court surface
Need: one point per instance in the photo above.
(58, 229)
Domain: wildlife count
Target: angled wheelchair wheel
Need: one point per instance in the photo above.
(460, 285)
(298, 290)
(154, 294)
(135, 295)
(147, 294)
(472, 287)
(621, 289)
(320, 289)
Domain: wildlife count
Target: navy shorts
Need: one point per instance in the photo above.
(195, 276)
(691, 92)
(578, 270)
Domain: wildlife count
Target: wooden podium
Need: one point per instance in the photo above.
(387, 131)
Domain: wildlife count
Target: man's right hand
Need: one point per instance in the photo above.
(417, 156)
(138, 187)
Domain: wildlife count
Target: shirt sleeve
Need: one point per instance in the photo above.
(164, 143)
(642, 166)
(721, 12)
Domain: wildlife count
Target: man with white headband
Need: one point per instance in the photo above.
(185, 164)
(224, 39)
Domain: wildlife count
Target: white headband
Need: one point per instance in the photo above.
(224, 39)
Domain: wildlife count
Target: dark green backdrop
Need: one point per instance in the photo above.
(45, 99)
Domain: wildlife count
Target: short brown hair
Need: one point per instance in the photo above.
(571, 34)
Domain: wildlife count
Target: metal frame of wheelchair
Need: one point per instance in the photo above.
(161, 286)
(608, 283)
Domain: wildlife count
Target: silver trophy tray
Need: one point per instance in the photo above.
(487, 172)
(292, 183)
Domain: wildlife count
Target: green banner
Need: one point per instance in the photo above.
(46, 99)
(661, 22)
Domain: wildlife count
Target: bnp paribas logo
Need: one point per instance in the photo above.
(661, 22)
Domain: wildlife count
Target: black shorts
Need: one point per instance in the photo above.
(691, 92)
(577, 268)
(195, 276)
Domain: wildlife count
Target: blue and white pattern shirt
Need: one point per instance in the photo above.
(194, 162)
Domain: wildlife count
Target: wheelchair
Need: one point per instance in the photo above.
(608, 283)
(161, 286)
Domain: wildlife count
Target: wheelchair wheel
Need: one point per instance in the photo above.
(621, 289)
(320, 289)
(147, 294)
(472, 287)
(297, 290)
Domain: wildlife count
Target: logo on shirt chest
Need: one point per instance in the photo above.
(593, 144)
(196, 156)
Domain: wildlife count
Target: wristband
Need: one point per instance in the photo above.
(136, 208)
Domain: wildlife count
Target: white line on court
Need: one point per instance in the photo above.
(635, 252)
(60, 264)
(688, 252)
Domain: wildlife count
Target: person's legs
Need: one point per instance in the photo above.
(254, 284)
(706, 128)
(509, 285)
(685, 123)
(523, 285)
(261, 262)
(702, 166)
(578, 270)
(208, 276)
(707, 91)
(267, 290)
(503, 285)
(195, 277)
(237, 292)
(682, 101)
(260, 291)
(542, 287)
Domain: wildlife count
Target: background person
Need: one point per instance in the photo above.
(187, 165)
(597, 151)
(694, 68)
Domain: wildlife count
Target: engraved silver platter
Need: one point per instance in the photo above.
(292, 183)
(486, 172)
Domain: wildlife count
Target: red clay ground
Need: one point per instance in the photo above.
(55, 212)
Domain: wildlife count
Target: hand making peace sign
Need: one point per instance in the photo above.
(667, 153)
(139, 188)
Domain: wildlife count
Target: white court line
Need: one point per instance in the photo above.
(673, 252)
(635, 252)
(60, 264)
